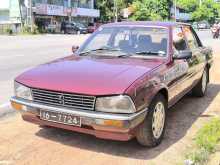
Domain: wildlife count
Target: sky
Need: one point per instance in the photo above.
(4, 4)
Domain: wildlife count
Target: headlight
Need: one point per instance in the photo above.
(115, 104)
(22, 91)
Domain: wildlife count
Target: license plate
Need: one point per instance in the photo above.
(60, 118)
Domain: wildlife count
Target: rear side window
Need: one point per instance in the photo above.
(179, 41)
(192, 42)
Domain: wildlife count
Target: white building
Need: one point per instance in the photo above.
(9, 12)
(47, 12)
(9, 15)
(77, 10)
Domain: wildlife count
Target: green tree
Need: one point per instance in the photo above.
(107, 10)
(209, 9)
(150, 10)
(188, 5)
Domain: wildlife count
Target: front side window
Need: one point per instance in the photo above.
(192, 42)
(179, 42)
(137, 41)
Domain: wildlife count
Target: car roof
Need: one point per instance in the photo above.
(167, 24)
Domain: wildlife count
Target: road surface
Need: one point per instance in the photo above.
(25, 143)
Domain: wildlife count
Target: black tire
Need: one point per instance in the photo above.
(144, 134)
(44, 126)
(199, 90)
(74, 32)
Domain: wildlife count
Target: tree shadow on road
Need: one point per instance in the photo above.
(180, 119)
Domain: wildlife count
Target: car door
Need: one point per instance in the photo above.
(179, 70)
(198, 60)
(68, 28)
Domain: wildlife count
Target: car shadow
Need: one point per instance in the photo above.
(180, 118)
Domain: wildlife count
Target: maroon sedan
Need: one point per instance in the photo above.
(119, 84)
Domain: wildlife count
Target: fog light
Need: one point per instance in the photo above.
(17, 106)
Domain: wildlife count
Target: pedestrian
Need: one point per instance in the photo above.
(63, 27)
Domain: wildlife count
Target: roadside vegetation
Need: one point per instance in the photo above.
(25, 30)
(207, 10)
(207, 142)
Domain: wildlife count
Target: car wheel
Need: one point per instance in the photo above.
(74, 32)
(200, 89)
(151, 132)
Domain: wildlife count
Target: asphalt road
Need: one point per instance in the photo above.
(25, 143)
(19, 53)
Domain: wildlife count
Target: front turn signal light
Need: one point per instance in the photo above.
(114, 123)
(16, 106)
(111, 123)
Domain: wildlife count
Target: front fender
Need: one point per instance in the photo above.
(144, 91)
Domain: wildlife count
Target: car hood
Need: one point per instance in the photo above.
(88, 75)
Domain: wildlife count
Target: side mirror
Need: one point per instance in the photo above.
(75, 48)
(183, 54)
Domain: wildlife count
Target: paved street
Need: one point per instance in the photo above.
(25, 143)
(19, 53)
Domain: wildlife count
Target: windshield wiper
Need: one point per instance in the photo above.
(151, 53)
(124, 55)
(130, 54)
(94, 50)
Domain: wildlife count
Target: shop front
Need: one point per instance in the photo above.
(49, 17)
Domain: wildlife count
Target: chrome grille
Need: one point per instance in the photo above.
(64, 99)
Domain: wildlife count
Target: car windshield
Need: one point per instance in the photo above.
(122, 41)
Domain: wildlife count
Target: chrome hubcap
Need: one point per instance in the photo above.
(204, 81)
(158, 120)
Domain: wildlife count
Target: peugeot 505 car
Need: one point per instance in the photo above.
(119, 84)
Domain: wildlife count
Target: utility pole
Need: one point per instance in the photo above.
(21, 14)
(116, 11)
(175, 10)
(29, 15)
(70, 12)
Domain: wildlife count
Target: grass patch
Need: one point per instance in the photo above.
(206, 142)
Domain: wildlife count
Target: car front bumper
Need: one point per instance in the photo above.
(102, 125)
(83, 31)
